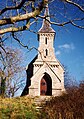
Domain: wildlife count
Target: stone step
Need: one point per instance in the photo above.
(41, 100)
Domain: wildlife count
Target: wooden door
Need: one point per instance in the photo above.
(43, 87)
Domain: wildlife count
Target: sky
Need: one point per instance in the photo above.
(68, 48)
(68, 43)
(70, 51)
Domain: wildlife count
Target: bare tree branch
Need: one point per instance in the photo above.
(15, 19)
(75, 4)
(19, 18)
(26, 16)
(25, 46)
(65, 23)
(33, 14)
(9, 71)
(68, 22)
(13, 7)
(15, 29)
(2, 48)
(82, 27)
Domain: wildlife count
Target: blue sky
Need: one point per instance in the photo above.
(68, 43)
(69, 49)
(69, 40)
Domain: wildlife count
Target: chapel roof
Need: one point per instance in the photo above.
(46, 26)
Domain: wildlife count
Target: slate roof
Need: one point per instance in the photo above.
(46, 26)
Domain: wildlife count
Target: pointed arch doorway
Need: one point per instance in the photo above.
(46, 85)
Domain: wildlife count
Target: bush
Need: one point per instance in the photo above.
(67, 106)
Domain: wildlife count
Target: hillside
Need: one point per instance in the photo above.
(67, 106)
(17, 108)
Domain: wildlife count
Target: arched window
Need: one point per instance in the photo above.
(46, 40)
(46, 52)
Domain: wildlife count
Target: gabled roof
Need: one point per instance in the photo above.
(46, 26)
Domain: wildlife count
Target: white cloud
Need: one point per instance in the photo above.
(67, 46)
(58, 52)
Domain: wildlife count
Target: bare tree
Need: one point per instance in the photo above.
(21, 15)
(69, 80)
(27, 12)
(11, 72)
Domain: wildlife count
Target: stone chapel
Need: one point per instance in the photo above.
(45, 74)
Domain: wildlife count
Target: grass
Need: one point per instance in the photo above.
(67, 106)
(18, 108)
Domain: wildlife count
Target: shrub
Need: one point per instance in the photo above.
(67, 106)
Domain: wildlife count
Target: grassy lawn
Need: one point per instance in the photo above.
(67, 106)
(18, 108)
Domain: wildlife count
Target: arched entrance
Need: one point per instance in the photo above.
(46, 85)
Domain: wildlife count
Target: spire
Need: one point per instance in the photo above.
(47, 13)
(46, 26)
